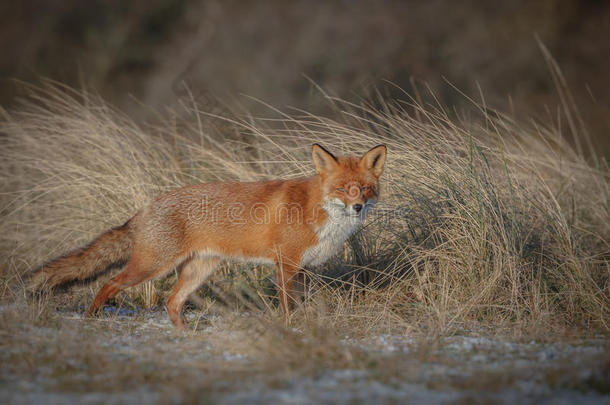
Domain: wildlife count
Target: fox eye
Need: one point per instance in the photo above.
(364, 188)
(342, 190)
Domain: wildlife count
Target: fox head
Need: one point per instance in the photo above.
(350, 185)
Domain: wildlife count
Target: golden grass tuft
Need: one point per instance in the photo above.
(483, 221)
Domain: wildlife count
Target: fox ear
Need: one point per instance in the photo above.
(323, 159)
(374, 160)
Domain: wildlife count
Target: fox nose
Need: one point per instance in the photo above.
(357, 207)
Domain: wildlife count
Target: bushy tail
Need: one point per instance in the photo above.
(111, 248)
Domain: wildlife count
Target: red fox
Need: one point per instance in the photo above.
(289, 223)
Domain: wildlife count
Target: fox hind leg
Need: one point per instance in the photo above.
(134, 273)
(193, 274)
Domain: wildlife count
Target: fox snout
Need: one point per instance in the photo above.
(356, 200)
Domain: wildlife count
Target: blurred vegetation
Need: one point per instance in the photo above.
(154, 50)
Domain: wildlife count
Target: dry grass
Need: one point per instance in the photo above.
(484, 223)
(485, 227)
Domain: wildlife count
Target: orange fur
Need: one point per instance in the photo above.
(291, 223)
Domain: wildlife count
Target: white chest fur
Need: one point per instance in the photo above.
(338, 228)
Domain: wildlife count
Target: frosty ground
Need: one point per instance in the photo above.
(137, 356)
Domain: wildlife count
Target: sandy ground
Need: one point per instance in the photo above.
(124, 357)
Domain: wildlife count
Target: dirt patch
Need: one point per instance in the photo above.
(138, 357)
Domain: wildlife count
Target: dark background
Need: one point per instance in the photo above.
(134, 52)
